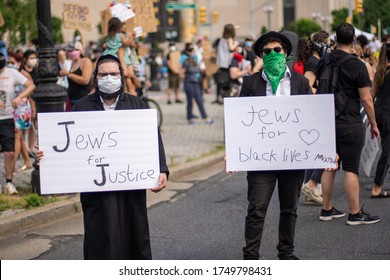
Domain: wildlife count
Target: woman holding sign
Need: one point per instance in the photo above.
(116, 222)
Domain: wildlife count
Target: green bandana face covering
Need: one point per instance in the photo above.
(274, 68)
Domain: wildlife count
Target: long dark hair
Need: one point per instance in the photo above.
(229, 31)
(381, 69)
(190, 58)
(26, 55)
(114, 27)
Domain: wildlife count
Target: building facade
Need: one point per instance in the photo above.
(250, 16)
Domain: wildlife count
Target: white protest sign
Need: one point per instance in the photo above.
(277, 133)
(370, 149)
(123, 11)
(98, 151)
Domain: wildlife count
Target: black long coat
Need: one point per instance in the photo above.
(116, 222)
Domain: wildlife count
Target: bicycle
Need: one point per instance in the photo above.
(152, 104)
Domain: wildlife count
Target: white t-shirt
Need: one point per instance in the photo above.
(9, 79)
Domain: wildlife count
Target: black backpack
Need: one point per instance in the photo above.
(329, 82)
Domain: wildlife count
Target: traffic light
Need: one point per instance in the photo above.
(358, 6)
(202, 15)
(215, 17)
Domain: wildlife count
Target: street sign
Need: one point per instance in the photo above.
(180, 6)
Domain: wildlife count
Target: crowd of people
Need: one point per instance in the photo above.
(279, 57)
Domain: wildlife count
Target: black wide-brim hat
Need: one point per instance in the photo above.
(261, 41)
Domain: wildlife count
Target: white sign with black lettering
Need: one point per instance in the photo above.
(98, 151)
(281, 132)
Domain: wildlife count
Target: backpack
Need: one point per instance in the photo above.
(329, 82)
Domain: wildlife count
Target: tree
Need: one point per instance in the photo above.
(372, 11)
(304, 27)
(20, 18)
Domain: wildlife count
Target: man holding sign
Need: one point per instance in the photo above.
(275, 80)
(115, 222)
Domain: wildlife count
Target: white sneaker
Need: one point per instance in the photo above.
(9, 188)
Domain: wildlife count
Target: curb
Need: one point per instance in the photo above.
(51, 212)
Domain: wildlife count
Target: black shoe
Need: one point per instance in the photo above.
(288, 257)
(169, 102)
(362, 218)
(31, 154)
(327, 215)
(178, 101)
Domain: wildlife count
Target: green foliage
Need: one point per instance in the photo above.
(33, 200)
(373, 10)
(339, 16)
(56, 23)
(20, 18)
(304, 27)
(11, 202)
(263, 30)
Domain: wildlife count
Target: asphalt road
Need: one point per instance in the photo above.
(204, 220)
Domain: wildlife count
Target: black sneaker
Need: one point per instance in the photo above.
(327, 215)
(362, 218)
(288, 257)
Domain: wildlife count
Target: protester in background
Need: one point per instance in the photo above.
(63, 64)
(173, 73)
(115, 222)
(192, 87)
(355, 82)
(303, 55)
(273, 48)
(248, 52)
(22, 116)
(29, 68)
(381, 91)
(9, 79)
(202, 66)
(367, 53)
(319, 43)
(375, 46)
(238, 69)
(358, 51)
(79, 75)
(117, 44)
(224, 50)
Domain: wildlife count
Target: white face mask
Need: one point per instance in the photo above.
(110, 84)
(32, 62)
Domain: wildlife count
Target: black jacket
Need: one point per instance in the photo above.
(255, 85)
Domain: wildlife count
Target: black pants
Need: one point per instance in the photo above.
(384, 161)
(261, 185)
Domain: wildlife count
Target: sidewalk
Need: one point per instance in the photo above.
(188, 148)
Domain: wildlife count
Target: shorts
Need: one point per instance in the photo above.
(7, 135)
(349, 145)
(173, 81)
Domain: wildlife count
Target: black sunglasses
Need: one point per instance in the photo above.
(268, 50)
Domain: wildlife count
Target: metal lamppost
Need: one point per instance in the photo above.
(48, 96)
(268, 9)
(316, 15)
(325, 20)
